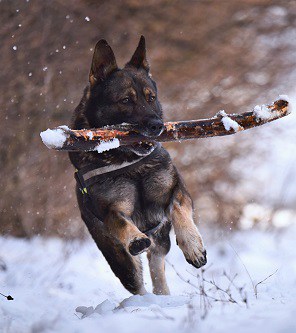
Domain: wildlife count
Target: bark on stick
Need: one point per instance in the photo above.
(63, 138)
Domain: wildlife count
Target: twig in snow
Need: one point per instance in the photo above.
(240, 259)
(255, 286)
(240, 290)
(77, 316)
(181, 277)
(225, 291)
(9, 298)
(163, 314)
(3, 266)
(260, 282)
(208, 295)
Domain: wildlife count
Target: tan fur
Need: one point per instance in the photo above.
(87, 94)
(188, 237)
(139, 274)
(157, 272)
(92, 80)
(121, 226)
(147, 91)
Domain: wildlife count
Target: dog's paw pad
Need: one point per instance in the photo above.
(139, 245)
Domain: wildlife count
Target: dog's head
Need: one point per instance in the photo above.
(127, 95)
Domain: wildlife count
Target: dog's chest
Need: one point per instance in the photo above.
(156, 184)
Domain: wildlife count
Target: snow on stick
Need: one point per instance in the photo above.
(55, 138)
(110, 137)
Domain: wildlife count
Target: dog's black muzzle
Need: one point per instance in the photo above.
(152, 128)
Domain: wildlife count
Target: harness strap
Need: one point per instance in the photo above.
(87, 202)
(84, 180)
(92, 176)
(91, 173)
(109, 168)
(154, 230)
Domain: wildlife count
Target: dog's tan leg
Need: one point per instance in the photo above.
(187, 235)
(138, 275)
(122, 228)
(157, 272)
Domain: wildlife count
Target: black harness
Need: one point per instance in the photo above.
(89, 175)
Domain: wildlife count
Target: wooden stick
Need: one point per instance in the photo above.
(126, 134)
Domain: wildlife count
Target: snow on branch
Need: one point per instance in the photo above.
(228, 122)
(110, 137)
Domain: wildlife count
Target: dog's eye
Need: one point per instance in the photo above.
(125, 100)
(151, 98)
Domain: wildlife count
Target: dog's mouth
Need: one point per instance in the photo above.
(143, 148)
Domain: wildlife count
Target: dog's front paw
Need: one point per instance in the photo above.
(192, 246)
(139, 245)
(199, 260)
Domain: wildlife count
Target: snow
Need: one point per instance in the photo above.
(101, 308)
(90, 135)
(54, 138)
(67, 286)
(107, 145)
(228, 122)
(262, 112)
(162, 301)
(284, 98)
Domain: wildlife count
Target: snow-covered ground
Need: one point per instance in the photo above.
(50, 279)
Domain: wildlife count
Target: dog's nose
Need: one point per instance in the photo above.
(156, 127)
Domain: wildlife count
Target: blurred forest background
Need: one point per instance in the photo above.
(205, 56)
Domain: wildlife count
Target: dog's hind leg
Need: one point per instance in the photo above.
(187, 235)
(156, 257)
(126, 267)
(157, 272)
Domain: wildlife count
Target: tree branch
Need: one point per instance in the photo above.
(109, 137)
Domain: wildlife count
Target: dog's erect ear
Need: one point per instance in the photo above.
(103, 62)
(139, 60)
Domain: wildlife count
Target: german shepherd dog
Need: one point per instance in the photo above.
(137, 205)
